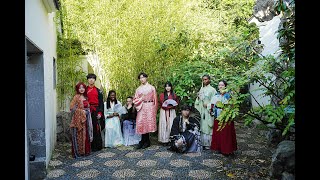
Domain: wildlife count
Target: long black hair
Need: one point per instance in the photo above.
(168, 83)
(108, 98)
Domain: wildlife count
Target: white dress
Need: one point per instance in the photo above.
(113, 136)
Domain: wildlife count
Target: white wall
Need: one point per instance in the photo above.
(102, 75)
(268, 37)
(40, 29)
(85, 68)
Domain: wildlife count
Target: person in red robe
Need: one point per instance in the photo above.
(95, 99)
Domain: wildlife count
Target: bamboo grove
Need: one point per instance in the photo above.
(177, 40)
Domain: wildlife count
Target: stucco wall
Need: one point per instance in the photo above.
(268, 37)
(40, 29)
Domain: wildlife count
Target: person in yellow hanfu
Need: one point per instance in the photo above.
(202, 104)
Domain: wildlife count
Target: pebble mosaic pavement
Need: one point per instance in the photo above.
(251, 161)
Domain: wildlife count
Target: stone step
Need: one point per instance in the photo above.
(38, 168)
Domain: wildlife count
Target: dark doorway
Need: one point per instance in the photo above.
(35, 110)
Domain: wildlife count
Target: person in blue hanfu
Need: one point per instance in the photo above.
(224, 140)
(113, 135)
(185, 135)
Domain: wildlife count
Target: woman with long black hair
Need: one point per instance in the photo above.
(167, 113)
(113, 135)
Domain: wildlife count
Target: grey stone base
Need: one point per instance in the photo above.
(37, 142)
(38, 169)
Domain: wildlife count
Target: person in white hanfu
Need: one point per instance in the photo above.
(113, 135)
(202, 104)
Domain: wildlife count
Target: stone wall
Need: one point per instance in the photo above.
(63, 129)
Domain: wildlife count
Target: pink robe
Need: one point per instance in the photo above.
(145, 100)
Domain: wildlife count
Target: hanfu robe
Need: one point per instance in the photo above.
(206, 123)
(113, 134)
(185, 136)
(224, 141)
(146, 103)
(167, 114)
(80, 127)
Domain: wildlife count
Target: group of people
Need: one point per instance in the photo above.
(97, 124)
(209, 102)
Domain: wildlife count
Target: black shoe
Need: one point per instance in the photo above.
(139, 146)
(145, 145)
(231, 155)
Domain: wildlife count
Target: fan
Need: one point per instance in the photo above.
(168, 102)
(195, 114)
(118, 108)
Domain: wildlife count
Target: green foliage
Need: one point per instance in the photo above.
(279, 82)
(69, 70)
(180, 41)
(186, 78)
(154, 36)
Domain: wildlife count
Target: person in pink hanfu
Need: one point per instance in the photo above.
(146, 103)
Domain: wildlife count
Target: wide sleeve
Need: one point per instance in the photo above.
(227, 96)
(100, 109)
(175, 126)
(177, 98)
(197, 101)
(155, 99)
(74, 103)
(137, 100)
(77, 113)
(194, 121)
(105, 111)
(123, 110)
(133, 114)
(126, 115)
(161, 100)
(213, 93)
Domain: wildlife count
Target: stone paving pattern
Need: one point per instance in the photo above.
(251, 161)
